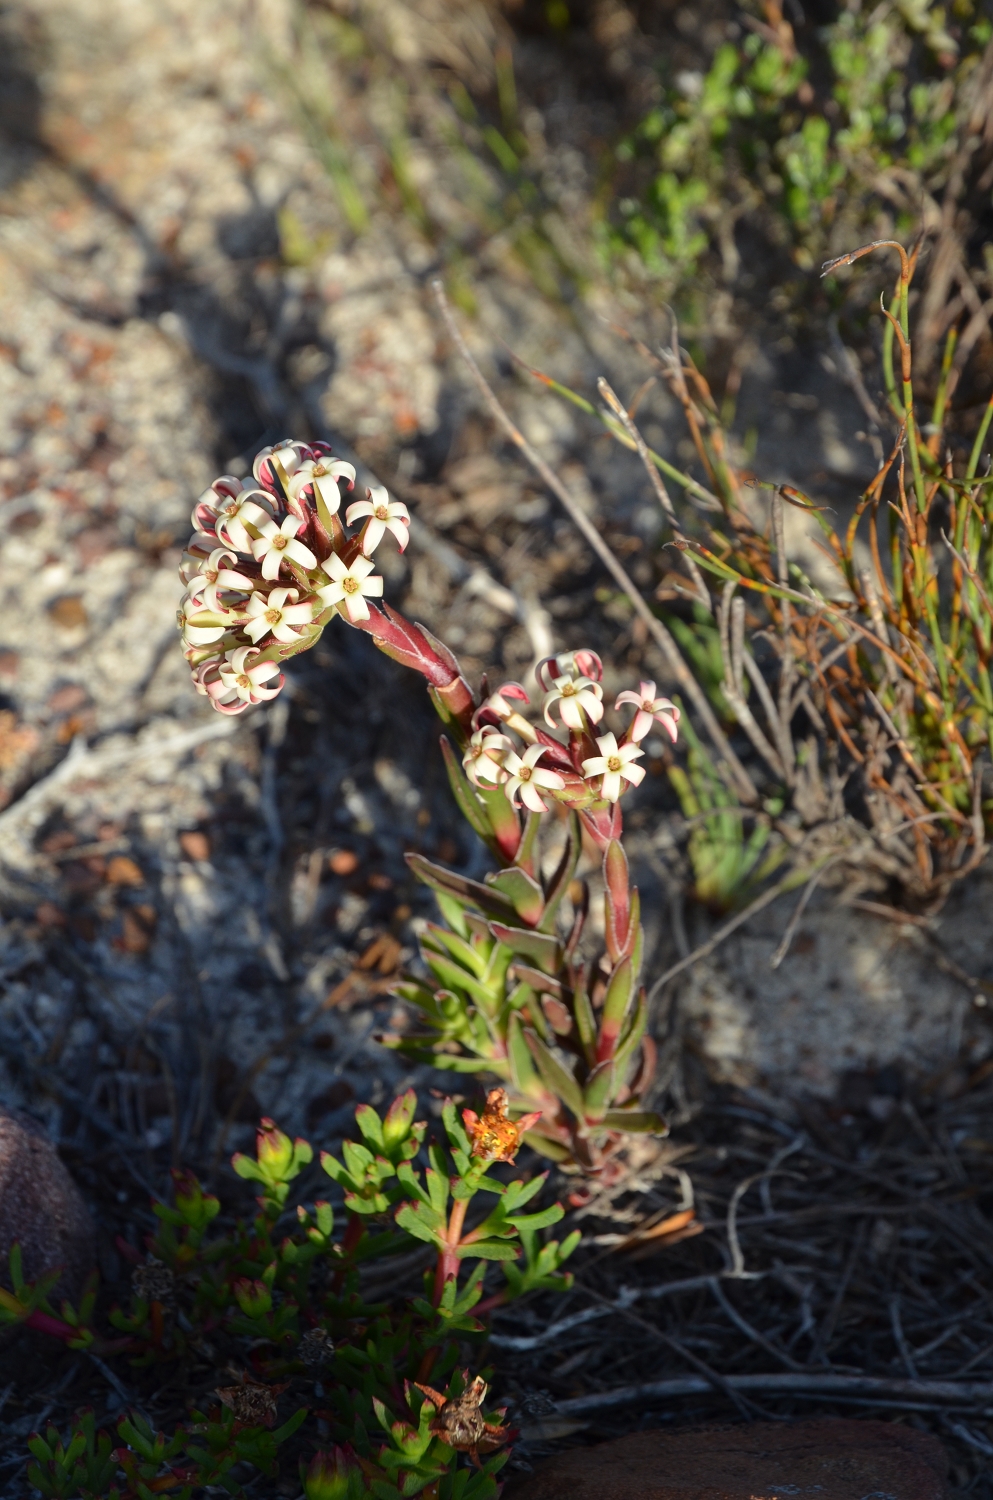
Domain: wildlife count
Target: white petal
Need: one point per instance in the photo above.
(372, 536)
(611, 789)
(356, 607)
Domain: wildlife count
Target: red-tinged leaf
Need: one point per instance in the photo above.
(617, 898)
(491, 902)
(523, 891)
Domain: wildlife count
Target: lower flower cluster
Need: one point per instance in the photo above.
(571, 773)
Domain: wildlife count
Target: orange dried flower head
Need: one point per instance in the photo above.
(494, 1135)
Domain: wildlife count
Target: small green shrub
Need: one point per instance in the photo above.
(280, 1295)
(808, 149)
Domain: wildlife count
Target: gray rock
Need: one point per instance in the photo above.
(41, 1208)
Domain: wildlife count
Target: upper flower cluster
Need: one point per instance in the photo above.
(571, 772)
(271, 562)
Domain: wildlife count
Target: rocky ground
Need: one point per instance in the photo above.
(201, 917)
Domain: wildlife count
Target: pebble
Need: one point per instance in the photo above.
(41, 1209)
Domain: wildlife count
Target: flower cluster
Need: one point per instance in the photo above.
(270, 563)
(573, 773)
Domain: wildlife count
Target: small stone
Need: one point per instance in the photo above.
(343, 861)
(69, 612)
(195, 845)
(123, 871)
(832, 1460)
(41, 1209)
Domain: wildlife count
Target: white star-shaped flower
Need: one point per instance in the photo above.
(350, 586)
(321, 475)
(279, 614)
(278, 542)
(650, 709)
(384, 515)
(614, 763)
(482, 759)
(526, 777)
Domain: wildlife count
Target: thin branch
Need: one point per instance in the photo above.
(925, 1393)
(787, 665)
(788, 883)
(801, 907)
(687, 682)
(751, 1333)
(731, 621)
(658, 484)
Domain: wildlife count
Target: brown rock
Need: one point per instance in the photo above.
(42, 1209)
(829, 1460)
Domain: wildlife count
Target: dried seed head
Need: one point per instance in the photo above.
(154, 1282)
(253, 1404)
(315, 1348)
(460, 1422)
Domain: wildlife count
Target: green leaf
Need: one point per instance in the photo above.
(643, 1122)
(585, 1023)
(453, 912)
(599, 1091)
(618, 996)
(470, 805)
(523, 891)
(452, 976)
(370, 1125)
(524, 858)
(555, 1077)
(454, 1128)
(563, 875)
(632, 1035)
(523, 1075)
(540, 1220)
(450, 884)
(414, 1222)
(469, 955)
(488, 1250)
(399, 1119)
(545, 950)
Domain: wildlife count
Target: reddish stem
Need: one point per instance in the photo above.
(354, 1230)
(448, 1260)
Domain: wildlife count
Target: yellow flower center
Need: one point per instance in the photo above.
(319, 471)
(279, 541)
(382, 513)
(244, 681)
(273, 616)
(350, 584)
(614, 763)
(524, 774)
(568, 690)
